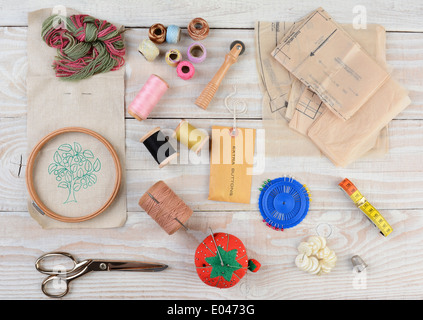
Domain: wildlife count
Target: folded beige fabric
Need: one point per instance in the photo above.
(345, 141)
(96, 103)
(281, 92)
(324, 57)
(276, 83)
(309, 106)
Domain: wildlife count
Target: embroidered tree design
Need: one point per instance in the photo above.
(74, 169)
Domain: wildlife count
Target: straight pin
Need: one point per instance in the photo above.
(151, 196)
(215, 244)
(181, 224)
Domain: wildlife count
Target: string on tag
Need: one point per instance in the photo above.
(239, 106)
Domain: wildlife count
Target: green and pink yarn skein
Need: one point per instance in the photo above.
(85, 45)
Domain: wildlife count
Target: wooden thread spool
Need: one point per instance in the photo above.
(190, 136)
(159, 147)
(165, 207)
(203, 101)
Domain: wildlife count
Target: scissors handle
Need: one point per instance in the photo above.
(59, 284)
(54, 271)
(60, 277)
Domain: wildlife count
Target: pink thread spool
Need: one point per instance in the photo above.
(185, 70)
(148, 97)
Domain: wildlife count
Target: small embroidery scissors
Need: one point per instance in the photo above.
(60, 278)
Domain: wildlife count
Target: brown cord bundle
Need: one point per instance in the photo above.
(198, 29)
(157, 33)
(165, 207)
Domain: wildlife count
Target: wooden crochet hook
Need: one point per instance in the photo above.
(203, 101)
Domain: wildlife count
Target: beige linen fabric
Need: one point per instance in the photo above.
(97, 104)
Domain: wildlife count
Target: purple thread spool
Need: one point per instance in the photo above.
(197, 52)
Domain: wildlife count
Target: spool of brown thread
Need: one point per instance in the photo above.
(157, 33)
(198, 29)
(165, 207)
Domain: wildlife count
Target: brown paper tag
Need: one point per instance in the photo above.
(231, 164)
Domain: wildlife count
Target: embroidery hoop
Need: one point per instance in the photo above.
(35, 199)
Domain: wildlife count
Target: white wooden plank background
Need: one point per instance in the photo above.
(394, 184)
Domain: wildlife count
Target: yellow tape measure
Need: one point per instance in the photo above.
(361, 202)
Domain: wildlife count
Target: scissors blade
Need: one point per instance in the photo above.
(107, 265)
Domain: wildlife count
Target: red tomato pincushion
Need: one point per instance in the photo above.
(225, 265)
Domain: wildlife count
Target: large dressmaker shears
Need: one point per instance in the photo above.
(60, 279)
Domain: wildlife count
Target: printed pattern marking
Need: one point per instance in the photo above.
(310, 104)
(74, 168)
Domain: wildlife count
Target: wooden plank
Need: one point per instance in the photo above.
(394, 15)
(391, 273)
(403, 54)
(392, 182)
(13, 68)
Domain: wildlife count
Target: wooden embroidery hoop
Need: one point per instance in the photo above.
(30, 183)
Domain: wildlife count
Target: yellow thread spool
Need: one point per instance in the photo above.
(190, 136)
(173, 57)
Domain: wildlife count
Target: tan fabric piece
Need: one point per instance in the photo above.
(276, 83)
(345, 141)
(96, 103)
(281, 91)
(309, 106)
(324, 57)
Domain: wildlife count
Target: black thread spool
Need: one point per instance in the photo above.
(159, 147)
